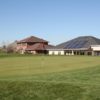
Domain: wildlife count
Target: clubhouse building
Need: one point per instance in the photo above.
(84, 45)
(33, 45)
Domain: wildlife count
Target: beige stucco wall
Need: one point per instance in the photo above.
(62, 52)
(96, 47)
(51, 52)
(22, 46)
(33, 52)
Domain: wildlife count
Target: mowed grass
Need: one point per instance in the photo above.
(50, 78)
(31, 65)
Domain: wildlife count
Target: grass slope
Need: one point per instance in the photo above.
(50, 78)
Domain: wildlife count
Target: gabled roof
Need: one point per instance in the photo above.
(32, 39)
(49, 46)
(83, 42)
(38, 46)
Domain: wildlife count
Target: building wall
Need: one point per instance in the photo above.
(69, 52)
(33, 52)
(96, 47)
(51, 52)
(62, 52)
(21, 46)
(96, 50)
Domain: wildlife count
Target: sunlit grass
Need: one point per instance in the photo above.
(50, 78)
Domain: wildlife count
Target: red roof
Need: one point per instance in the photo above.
(38, 46)
(32, 39)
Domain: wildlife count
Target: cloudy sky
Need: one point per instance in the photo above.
(54, 20)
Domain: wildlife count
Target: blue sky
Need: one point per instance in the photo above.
(54, 20)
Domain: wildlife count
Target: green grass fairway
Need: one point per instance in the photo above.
(50, 78)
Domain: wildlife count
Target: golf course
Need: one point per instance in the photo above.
(49, 77)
